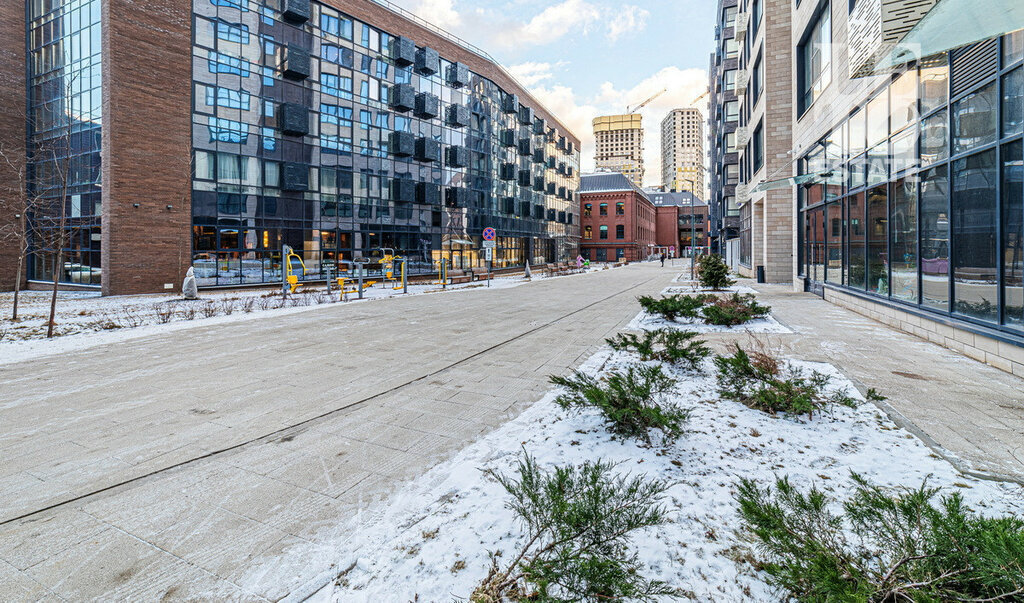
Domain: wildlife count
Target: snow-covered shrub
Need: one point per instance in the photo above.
(228, 306)
(248, 303)
(188, 311)
(763, 382)
(578, 521)
(884, 546)
(163, 312)
(713, 272)
(672, 346)
(130, 317)
(632, 402)
(675, 306)
(208, 309)
(734, 310)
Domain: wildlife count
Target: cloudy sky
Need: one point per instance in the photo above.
(584, 58)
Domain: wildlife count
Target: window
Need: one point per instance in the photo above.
(732, 174)
(1013, 102)
(975, 265)
(226, 97)
(935, 239)
(730, 79)
(904, 100)
(239, 4)
(336, 85)
(1013, 237)
(878, 228)
(222, 63)
(730, 142)
(757, 147)
(732, 111)
(732, 49)
(814, 59)
(756, 84)
(620, 209)
(587, 209)
(934, 84)
(620, 231)
(231, 32)
(729, 17)
(588, 232)
(603, 209)
(604, 232)
(975, 120)
(903, 235)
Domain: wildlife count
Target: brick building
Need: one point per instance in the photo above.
(681, 218)
(223, 130)
(617, 219)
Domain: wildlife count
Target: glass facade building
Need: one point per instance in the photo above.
(725, 219)
(318, 131)
(919, 199)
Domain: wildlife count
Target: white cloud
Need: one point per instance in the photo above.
(627, 19)
(682, 87)
(441, 13)
(531, 74)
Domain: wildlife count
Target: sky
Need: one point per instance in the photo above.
(584, 58)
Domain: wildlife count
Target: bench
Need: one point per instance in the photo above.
(457, 277)
(480, 274)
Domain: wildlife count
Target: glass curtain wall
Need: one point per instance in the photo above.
(930, 210)
(65, 116)
(343, 185)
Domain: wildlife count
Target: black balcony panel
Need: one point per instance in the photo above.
(552, 215)
(427, 106)
(568, 171)
(562, 192)
(569, 147)
(295, 177)
(428, 150)
(561, 217)
(403, 51)
(458, 75)
(525, 115)
(403, 98)
(402, 144)
(428, 193)
(525, 148)
(296, 11)
(538, 156)
(510, 103)
(428, 62)
(457, 116)
(538, 185)
(457, 197)
(508, 205)
(403, 190)
(507, 171)
(568, 218)
(538, 125)
(561, 167)
(551, 188)
(538, 212)
(524, 209)
(457, 157)
(507, 138)
(525, 178)
(296, 63)
(293, 119)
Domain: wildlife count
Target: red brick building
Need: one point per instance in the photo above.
(617, 219)
(674, 214)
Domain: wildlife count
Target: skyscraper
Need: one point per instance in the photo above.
(620, 145)
(682, 151)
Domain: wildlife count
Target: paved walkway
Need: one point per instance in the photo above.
(197, 463)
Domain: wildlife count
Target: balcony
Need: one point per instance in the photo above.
(742, 81)
(741, 26)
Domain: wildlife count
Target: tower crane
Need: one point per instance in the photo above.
(699, 98)
(645, 103)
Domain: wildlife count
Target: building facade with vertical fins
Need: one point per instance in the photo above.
(211, 133)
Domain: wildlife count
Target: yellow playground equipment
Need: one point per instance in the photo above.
(292, 278)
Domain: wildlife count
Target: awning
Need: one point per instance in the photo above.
(954, 23)
(831, 177)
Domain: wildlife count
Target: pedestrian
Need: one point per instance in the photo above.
(662, 257)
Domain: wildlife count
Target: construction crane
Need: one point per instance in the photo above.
(645, 103)
(698, 99)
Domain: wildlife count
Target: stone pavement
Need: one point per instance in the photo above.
(214, 462)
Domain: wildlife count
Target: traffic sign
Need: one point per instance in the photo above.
(489, 244)
(490, 234)
(489, 255)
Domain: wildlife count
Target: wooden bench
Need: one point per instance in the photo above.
(480, 274)
(457, 277)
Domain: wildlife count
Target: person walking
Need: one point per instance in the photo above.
(662, 257)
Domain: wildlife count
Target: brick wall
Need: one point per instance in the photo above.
(639, 221)
(12, 131)
(147, 116)
(667, 226)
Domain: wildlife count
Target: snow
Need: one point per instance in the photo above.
(652, 322)
(431, 539)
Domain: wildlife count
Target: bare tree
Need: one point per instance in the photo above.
(21, 204)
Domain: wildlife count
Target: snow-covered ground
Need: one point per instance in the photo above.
(86, 319)
(652, 322)
(430, 542)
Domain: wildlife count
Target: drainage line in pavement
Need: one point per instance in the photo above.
(291, 428)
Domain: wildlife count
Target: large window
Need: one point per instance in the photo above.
(620, 231)
(903, 244)
(604, 232)
(757, 147)
(855, 241)
(878, 251)
(974, 236)
(1013, 237)
(814, 59)
(935, 238)
(975, 120)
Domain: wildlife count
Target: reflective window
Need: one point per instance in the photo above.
(903, 244)
(935, 238)
(1013, 47)
(903, 97)
(878, 249)
(855, 241)
(934, 85)
(1013, 102)
(858, 133)
(975, 120)
(935, 138)
(1013, 233)
(814, 59)
(974, 235)
(878, 119)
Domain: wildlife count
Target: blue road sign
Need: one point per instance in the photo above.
(490, 234)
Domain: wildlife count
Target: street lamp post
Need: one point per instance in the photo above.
(693, 229)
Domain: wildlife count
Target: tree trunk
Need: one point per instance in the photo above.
(59, 260)
(17, 285)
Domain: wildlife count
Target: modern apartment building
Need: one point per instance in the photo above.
(211, 133)
(617, 219)
(764, 84)
(901, 163)
(682, 151)
(723, 120)
(620, 145)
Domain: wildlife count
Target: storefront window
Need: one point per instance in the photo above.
(934, 83)
(878, 250)
(903, 247)
(974, 236)
(1013, 237)
(834, 242)
(935, 238)
(855, 241)
(904, 100)
(878, 118)
(935, 138)
(974, 120)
